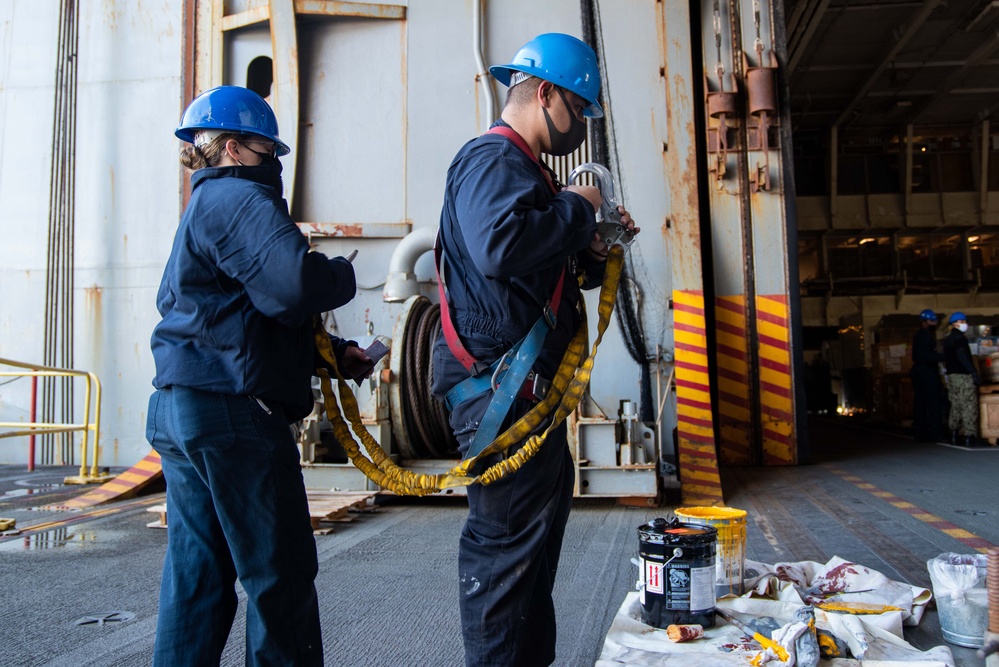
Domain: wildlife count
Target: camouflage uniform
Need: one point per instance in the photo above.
(963, 395)
(962, 383)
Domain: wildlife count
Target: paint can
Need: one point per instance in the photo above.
(731, 526)
(677, 563)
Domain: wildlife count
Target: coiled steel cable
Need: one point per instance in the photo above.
(426, 418)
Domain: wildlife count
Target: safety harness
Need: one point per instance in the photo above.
(512, 375)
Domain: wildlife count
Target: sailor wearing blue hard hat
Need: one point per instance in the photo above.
(511, 240)
(927, 391)
(234, 360)
(962, 382)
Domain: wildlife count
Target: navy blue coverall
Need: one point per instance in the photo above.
(506, 237)
(927, 391)
(234, 358)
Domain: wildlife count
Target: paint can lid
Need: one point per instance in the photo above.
(673, 531)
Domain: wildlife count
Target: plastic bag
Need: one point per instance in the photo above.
(953, 575)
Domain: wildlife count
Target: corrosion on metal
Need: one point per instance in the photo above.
(366, 230)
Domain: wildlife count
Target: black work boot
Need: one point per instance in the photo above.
(969, 441)
(953, 437)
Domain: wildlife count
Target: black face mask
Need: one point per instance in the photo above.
(265, 158)
(563, 143)
(268, 172)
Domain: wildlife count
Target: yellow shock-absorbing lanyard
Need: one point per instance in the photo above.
(568, 387)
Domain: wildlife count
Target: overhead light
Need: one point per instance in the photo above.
(867, 240)
(923, 149)
(972, 239)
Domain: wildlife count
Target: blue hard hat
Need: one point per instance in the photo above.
(564, 60)
(955, 317)
(927, 315)
(231, 109)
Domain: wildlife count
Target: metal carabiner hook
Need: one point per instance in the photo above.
(501, 366)
(609, 226)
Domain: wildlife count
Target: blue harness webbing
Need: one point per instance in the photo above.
(525, 353)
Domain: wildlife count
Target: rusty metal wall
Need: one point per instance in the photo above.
(387, 96)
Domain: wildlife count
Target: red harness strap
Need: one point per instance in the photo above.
(464, 357)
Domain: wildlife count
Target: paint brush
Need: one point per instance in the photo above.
(765, 642)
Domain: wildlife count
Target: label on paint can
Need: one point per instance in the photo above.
(702, 588)
(653, 576)
(689, 588)
(683, 587)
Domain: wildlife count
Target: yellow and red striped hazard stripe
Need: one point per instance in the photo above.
(735, 423)
(699, 480)
(775, 387)
(125, 485)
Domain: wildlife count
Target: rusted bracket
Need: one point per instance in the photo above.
(761, 88)
(722, 106)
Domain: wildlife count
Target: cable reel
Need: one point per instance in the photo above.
(419, 421)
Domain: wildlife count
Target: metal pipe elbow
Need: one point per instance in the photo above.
(401, 281)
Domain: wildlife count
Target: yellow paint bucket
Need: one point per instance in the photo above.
(731, 555)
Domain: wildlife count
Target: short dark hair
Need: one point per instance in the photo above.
(523, 92)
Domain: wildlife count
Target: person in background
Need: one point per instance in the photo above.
(515, 247)
(962, 383)
(927, 391)
(234, 357)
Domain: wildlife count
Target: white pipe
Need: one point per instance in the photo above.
(482, 74)
(401, 281)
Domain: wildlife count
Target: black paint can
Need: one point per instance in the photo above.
(677, 562)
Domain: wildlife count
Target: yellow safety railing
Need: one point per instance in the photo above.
(93, 388)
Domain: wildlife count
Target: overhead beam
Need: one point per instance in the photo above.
(800, 45)
(328, 8)
(900, 65)
(794, 19)
(981, 15)
(949, 85)
(913, 25)
(901, 95)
